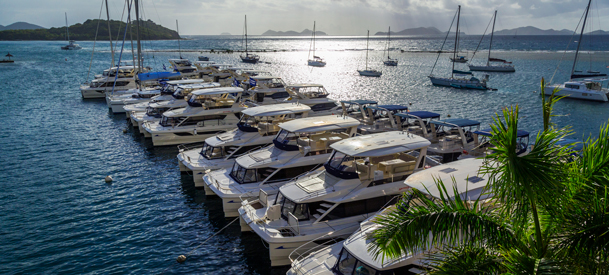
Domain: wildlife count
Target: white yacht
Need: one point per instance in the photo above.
(264, 90)
(357, 108)
(364, 175)
(209, 112)
(168, 89)
(109, 81)
(450, 137)
(256, 129)
(315, 96)
(587, 89)
(381, 118)
(353, 254)
(316, 61)
(117, 102)
(588, 85)
(184, 67)
(302, 145)
(417, 122)
(154, 109)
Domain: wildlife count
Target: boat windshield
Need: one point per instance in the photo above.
(242, 175)
(210, 152)
(347, 264)
(310, 92)
(299, 210)
(286, 141)
(170, 121)
(341, 165)
(248, 123)
(155, 112)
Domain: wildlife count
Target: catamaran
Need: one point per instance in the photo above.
(248, 57)
(369, 72)
(490, 67)
(316, 61)
(462, 79)
(301, 146)
(256, 129)
(353, 256)
(389, 61)
(588, 85)
(209, 112)
(364, 175)
(450, 137)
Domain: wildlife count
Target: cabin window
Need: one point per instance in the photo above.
(571, 86)
(341, 165)
(242, 175)
(279, 95)
(197, 120)
(289, 173)
(170, 121)
(298, 210)
(361, 207)
(286, 141)
(210, 152)
(323, 107)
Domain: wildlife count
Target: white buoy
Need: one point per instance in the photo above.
(181, 259)
(108, 179)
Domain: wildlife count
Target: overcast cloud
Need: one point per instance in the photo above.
(335, 17)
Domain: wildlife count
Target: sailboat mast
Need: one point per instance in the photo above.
(139, 45)
(313, 39)
(456, 41)
(388, 41)
(491, 44)
(367, 41)
(179, 47)
(580, 38)
(67, 32)
(246, 35)
(110, 33)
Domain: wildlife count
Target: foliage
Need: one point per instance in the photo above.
(549, 212)
(86, 31)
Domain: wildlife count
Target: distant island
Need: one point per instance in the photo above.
(292, 33)
(86, 31)
(225, 33)
(20, 26)
(431, 31)
(530, 30)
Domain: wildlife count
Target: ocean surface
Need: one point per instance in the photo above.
(58, 216)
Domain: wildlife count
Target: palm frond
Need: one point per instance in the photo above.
(465, 260)
(448, 220)
(548, 104)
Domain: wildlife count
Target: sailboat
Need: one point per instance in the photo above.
(461, 81)
(71, 45)
(582, 85)
(490, 67)
(390, 61)
(370, 72)
(316, 61)
(249, 57)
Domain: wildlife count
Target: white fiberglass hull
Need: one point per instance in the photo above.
(372, 73)
(593, 95)
(491, 68)
(88, 92)
(315, 63)
(163, 136)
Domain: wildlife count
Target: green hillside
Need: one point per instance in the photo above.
(86, 31)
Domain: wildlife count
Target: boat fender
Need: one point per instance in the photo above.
(465, 152)
(194, 132)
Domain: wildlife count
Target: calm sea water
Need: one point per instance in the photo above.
(58, 216)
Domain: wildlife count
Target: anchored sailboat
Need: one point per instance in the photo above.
(249, 57)
(582, 85)
(490, 67)
(71, 45)
(316, 61)
(461, 81)
(390, 61)
(370, 72)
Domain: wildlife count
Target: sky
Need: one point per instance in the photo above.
(335, 17)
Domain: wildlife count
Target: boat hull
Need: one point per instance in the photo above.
(457, 83)
(490, 68)
(314, 63)
(370, 73)
(577, 94)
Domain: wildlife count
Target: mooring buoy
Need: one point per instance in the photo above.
(108, 179)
